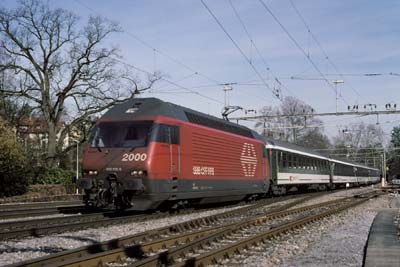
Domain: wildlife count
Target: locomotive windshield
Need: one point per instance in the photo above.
(121, 134)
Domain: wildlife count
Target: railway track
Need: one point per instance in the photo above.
(138, 244)
(46, 226)
(11, 211)
(8, 206)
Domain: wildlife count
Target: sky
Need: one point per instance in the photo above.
(183, 40)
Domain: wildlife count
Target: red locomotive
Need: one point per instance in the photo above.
(147, 154)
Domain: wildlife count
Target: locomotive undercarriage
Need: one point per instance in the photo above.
(110, 192)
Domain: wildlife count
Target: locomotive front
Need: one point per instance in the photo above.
(115, 162)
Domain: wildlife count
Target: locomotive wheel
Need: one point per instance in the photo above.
(124, 200)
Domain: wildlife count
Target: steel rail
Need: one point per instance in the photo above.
(227, 251)
(10, 226)
(13, 206)
(192, 240)
(33, 212)
(40, 227)
(101, 247)
(142, 246)
(169, 256)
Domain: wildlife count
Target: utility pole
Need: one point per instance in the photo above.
(384, 165)
(336, 82)
(384, 168)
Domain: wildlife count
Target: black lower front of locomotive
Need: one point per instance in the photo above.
(109, 191)
(149, 194)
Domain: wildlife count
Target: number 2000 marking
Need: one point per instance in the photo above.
(134, 157)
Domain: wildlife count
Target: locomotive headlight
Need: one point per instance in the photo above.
(138, 173)
(92, 172)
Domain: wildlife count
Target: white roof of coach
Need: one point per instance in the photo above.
(270, 146)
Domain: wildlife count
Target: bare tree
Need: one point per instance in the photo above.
(314, 138)
(62, 68)
(270, 126)
(297, 129)
(360, 142)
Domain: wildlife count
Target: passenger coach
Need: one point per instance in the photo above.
(296, 167)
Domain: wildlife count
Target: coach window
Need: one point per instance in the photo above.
(284, 160)
(298, 163)
(295, 161)
(290, 160)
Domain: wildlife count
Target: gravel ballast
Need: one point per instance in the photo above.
(338, 240)
(20, 250)
(280, 252)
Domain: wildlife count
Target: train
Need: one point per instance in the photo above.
(147, 154)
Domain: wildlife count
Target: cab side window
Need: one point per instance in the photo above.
(166, 134)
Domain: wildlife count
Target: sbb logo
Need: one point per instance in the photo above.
(134, 157)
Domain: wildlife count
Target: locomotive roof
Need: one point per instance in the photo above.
(155, 107)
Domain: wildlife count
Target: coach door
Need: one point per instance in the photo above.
(331, 172)
(173, 137)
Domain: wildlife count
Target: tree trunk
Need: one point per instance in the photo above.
(52, 145)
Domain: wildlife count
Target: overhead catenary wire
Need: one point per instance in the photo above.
(286, 31)
(370, 75)
(166, 80)
(238, 48)
(156, 50)
(321, 48)
(255, 46)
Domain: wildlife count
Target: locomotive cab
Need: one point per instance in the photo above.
(115, 162)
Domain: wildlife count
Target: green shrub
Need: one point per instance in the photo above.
(15, 173)
(45, 190)
(55, 176)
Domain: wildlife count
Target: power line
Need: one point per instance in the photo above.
(254, 44)
(238, 48)
(358, 113)
(155, 50)
(166, 80)
(360, 148)
(310, 77)
(299, 47)
(320, 46)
